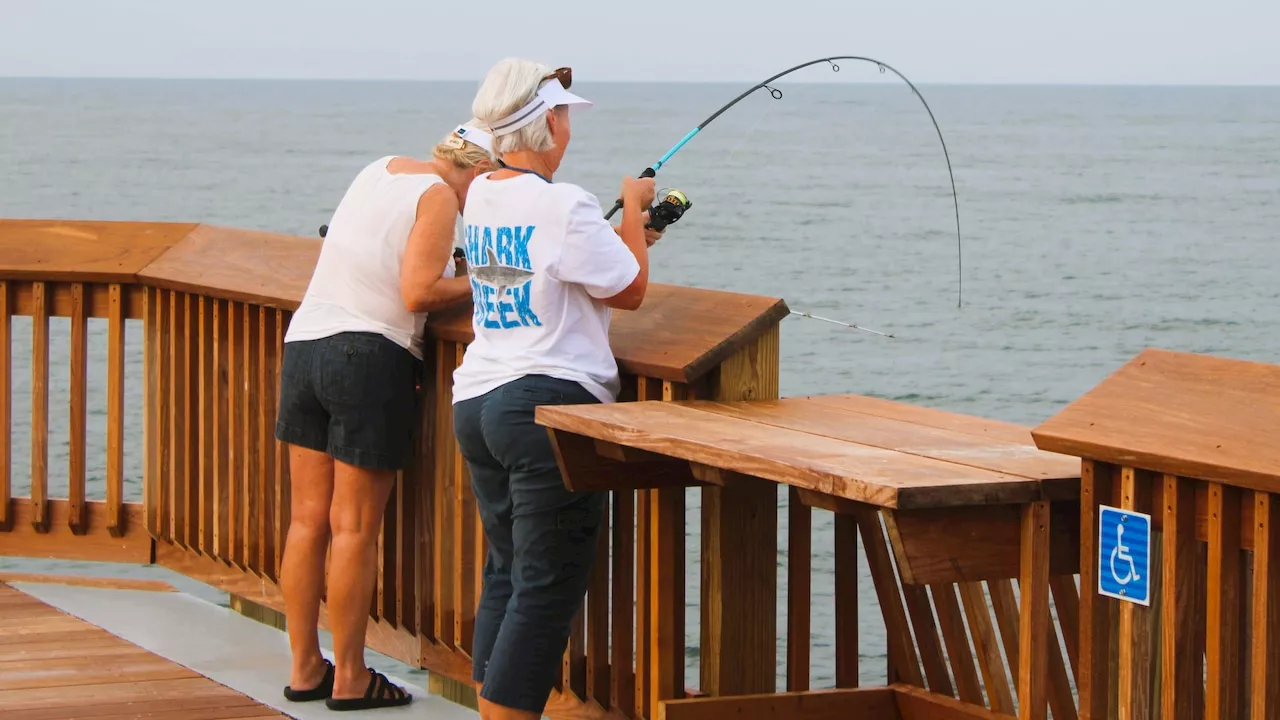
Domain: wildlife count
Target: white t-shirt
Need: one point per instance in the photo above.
(540, 256)
(356, 283)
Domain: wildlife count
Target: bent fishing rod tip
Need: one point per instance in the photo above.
(840, 323)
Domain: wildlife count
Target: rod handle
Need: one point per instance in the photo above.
(648, 173)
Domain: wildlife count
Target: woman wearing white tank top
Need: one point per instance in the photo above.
(347, 400)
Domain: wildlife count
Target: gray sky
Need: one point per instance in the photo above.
(932, 41)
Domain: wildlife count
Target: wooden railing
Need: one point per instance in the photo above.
(1191, 442)
(84, 524)
(214, 304)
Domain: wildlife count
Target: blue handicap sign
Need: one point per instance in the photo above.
(1124, 555)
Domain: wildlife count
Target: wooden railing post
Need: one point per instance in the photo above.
(740, 550)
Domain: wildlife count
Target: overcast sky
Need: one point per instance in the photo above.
(932, 41)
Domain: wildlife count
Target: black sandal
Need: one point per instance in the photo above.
(381, 693)
(319, 692)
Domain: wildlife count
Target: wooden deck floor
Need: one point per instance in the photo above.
(55, 666)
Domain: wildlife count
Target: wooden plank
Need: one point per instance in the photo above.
(739, 640)
(77, 420)
(40, 411)
(847, 648)
(74, 672)
(1092, 676)
(282, 496)
(954, 636)
(1180, 414)
(898, 633)
(1033, 669)
(1222, 654)
(164, 409)
(598, 618)
(82, 251)
(60, 303)
(917, 704)
(205, 391)
(972, 544)
(251, 452)
(865, 704)
(679, 334)
(829, 418)
(463, 545)
(237, 505)
(622, 691)
(59, 542)
(1066, 600)
(1134, 634)
(799, 596)
(442, 503)
(221, 515)
(1264, 657)
(849, 470)
(1182, 672)
(990, 661)
(115, 411)
(925, 417)
(921, 612)
(668, 587)
(6, 405)
(175, 353)
(244, 266)
(83, 581)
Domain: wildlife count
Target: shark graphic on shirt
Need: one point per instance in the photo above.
(498, 276)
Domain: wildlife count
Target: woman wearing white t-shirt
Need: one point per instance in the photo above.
(352, 355)
(546, 271)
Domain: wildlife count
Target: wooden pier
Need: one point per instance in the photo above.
(981, 537)
(55, 666)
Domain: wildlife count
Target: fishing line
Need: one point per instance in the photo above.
(652, 170)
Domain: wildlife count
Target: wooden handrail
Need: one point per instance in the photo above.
(679, 334)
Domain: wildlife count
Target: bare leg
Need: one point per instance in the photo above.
(302, 567)
(492, 711)
(359, 500)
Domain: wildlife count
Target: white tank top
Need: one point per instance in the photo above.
(356, 283)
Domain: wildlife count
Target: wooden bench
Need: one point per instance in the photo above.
(963, 501)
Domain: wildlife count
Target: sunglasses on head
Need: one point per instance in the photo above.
(564, 75)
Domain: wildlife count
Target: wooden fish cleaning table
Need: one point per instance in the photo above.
(964, 501)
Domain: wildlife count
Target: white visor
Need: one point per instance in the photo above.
(475, 136)
(549, 95)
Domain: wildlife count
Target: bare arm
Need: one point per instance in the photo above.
(427, 252)
(637, 193)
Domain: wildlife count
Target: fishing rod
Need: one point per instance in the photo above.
(652, 170)
(851, 326)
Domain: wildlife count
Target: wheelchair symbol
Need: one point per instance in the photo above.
(1121, 552)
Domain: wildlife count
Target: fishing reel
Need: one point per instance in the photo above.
(669, 207)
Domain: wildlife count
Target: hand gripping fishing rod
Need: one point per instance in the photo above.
(652, 170)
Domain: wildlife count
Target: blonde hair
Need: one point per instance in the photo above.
(509, 86)
(462, 154)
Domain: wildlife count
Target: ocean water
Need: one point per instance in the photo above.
(1097, 221)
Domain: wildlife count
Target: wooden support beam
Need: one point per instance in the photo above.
(1093, 676)
(973, 544)
(917, 704)
(864, 704)
(740, 550)
(586, 469)
(1033, 646)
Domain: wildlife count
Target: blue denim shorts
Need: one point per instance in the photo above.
(541, 539)
(353, 396)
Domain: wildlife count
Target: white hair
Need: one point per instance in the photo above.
(509, 86)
